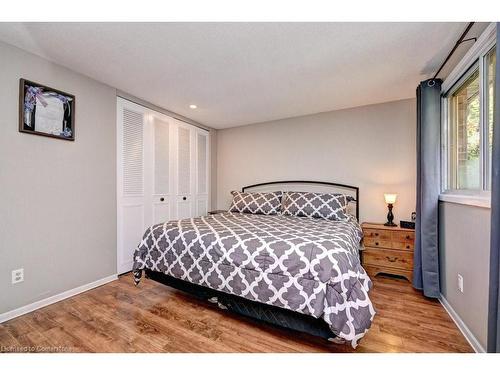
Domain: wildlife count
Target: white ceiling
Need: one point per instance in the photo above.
(243, 73)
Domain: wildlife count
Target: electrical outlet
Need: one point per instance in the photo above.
(460, 283)
(18, 276)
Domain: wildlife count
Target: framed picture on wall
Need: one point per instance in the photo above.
(46, 111)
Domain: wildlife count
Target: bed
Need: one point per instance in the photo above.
(300, 273)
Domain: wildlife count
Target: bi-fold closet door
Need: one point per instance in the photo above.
(162, 174)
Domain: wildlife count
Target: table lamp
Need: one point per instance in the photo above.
(390, 199)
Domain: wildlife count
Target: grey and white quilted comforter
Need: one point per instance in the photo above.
(310, 266)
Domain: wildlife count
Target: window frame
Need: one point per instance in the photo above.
(474, 59)
(448, 106)
(485, 114)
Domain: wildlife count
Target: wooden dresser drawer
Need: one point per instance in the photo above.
(377, 234)
(388, 258)
(403, 236)
(374, 242)
(408, 246)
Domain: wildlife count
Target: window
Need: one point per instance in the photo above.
(465, 135)
(469, 123)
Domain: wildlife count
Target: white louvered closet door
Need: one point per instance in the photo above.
(162, 174)
(131, 123)
(160, 190)
(184, 176)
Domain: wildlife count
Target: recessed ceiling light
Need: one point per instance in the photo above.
(193, 106)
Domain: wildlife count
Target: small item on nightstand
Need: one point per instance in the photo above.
(390, 199)
(407, 224)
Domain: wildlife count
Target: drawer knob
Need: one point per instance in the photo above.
(376, 234)
(407, 246)
(392, 259)
(408, 237)
(376, 243)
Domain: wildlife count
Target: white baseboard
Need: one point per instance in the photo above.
(53, 299)
(478, 348)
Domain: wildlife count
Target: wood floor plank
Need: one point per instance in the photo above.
(120, 317)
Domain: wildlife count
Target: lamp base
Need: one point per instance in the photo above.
(390, 217)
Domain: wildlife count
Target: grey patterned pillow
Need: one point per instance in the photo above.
(256, 203)
(316, 205)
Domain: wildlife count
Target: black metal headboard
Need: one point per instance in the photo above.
(354, 189)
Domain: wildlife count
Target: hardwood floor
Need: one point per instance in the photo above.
(119, 317)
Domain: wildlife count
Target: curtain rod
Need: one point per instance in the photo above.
(459, 41)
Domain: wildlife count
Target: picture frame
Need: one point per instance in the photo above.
(46, 111)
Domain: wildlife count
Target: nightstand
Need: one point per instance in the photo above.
(388, 250)
(214, 212)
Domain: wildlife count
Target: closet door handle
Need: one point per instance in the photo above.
(184, 198)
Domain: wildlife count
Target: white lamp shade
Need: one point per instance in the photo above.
(390, 198)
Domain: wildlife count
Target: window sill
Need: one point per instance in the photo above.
(466, 199)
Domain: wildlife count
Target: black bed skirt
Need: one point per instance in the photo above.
(255, 310)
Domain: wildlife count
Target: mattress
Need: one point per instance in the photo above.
(310, 266)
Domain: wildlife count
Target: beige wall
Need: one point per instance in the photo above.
(372, 147)
(464, 248)
(57, 198)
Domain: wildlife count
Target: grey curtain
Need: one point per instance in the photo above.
(494, 300)
(426, 256)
